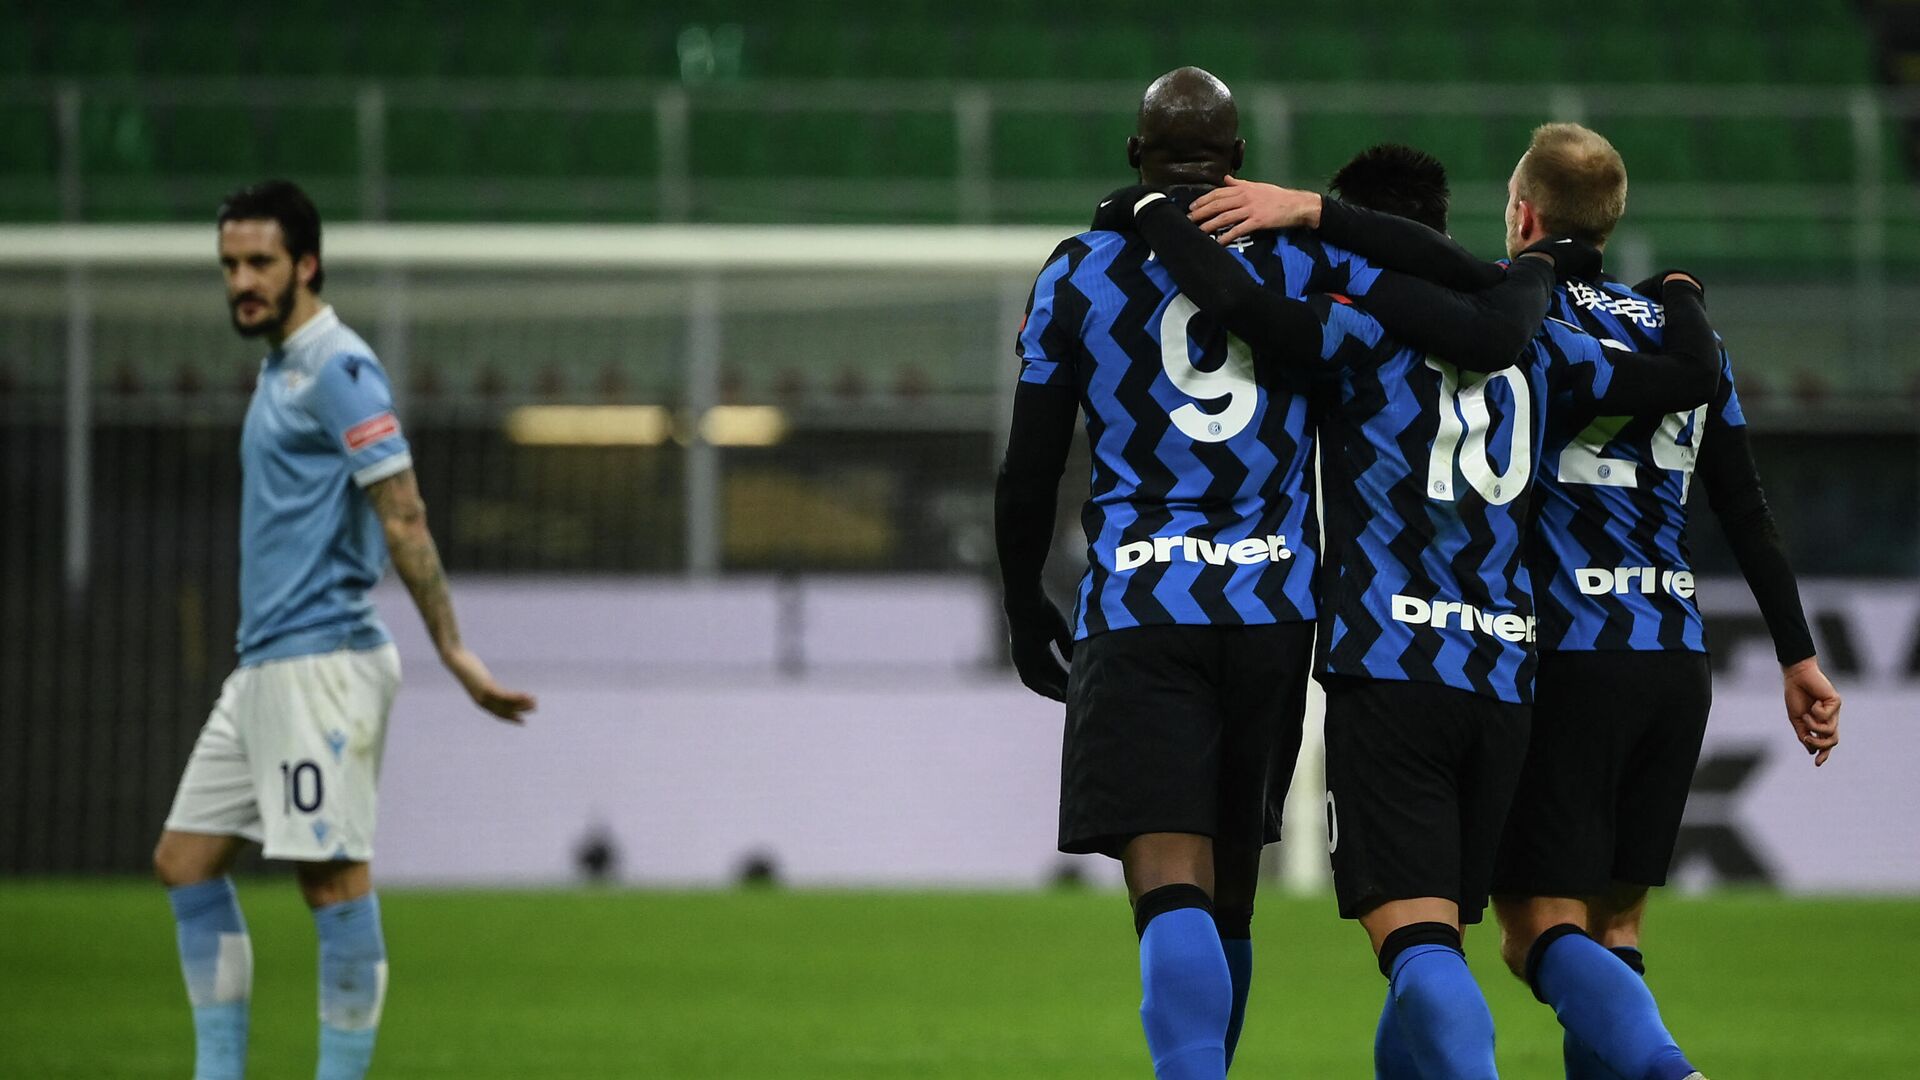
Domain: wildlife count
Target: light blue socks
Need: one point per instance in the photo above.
(216, 957)
(353, 984)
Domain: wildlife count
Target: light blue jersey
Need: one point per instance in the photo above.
(320, 428)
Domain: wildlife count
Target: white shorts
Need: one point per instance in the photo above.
(291, 755)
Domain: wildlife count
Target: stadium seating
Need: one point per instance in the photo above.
(432, 142)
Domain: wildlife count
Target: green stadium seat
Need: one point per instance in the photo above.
(116, 139)
(733, 143)
(1750, 150)
(1424, 54)
(805, 50)
(1323, 142)
(1507, 138)
(1509, 52)
(1326, 54)
(1828, 151)
(1800, 13)
(1099, 51)
(520, 142)
(914, 51)
(426, 142)
(1711, 18)
(32, 140)
(1459, 142)
(126, 199)
(220, 139)
(1035, 147)
(614, 47)
(1236, 58)
(1692, 242)
(19, 45)
(1903, 245)
(402, 48)
(292, 46)
(501, 47)
(1617, 54)
(1827, 56)
(79, 47)
(312, 140)
(1003, 50)
(1661, 149)
(1732, 56)
(31, 200)
(194, 46)
(820, 144)
(616, 144)
(1896, 152)
(918, 144)
(1801, 243)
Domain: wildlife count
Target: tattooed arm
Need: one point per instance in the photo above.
(404, 517)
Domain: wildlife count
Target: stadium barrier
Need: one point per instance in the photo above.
(683, 741)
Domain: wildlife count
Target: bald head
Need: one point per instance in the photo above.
(1189, 131)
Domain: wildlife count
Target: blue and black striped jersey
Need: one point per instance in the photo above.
(1609, 550)
(1200, 506)
(1427, 474)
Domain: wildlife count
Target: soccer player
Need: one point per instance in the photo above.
(1190, 640)
(291, 753)
(1624, 686)
(1426, 615)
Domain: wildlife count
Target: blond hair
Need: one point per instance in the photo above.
(1575, 180)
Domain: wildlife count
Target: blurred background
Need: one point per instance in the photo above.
(700, 317)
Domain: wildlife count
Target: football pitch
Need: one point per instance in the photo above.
(835, 985)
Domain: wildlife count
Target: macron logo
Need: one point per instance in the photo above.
(1507, 627)
(1620, 580)
(1165, 549)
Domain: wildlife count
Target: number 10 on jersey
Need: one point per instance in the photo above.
(1461, 435)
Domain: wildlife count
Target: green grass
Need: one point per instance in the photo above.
(837, 985)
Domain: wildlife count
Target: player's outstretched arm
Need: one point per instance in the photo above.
(1386, 240)
(1684, 376)
(1726, 467)
(403, 516)
(1024, 496)
(1479, 332)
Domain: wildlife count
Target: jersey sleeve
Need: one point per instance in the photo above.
(1684, 375)
(1733, 488)
(1726, 410)
(1350, 338)
(1395, 243)
(354, 403)
(1049, 340)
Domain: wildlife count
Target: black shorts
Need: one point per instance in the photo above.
(1616, 736)
(1190, 729)
(1418, 780)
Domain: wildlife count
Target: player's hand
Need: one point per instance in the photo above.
(1115, 212)
(1813, 708)
(1651, 286)
(1572, 257)
(1042, 647)
(1243, 207)
(508, 705)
